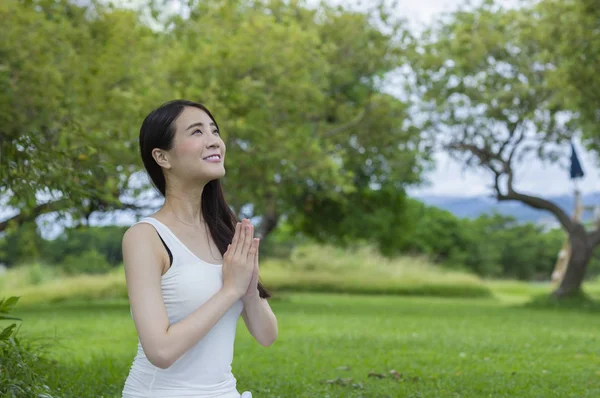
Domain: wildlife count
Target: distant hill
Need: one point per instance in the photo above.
(471, 207)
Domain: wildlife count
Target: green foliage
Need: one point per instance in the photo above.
(486, 98)
(435, 233)
(569, 32)
(87, 262)
(80, 249)
(490, 245)
(296, 93)
(18, 375)
(295, 89)
(22, 245)
(71, 102)
(74, 241)
(373, 215)
(6, 306)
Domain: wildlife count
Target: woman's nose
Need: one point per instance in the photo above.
(214, 142)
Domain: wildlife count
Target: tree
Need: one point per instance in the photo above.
(488, 102)
(297, 92)
(569, 30)
(74, 82)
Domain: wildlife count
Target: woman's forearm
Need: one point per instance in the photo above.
(260, 319)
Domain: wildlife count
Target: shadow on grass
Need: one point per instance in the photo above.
(581, 302)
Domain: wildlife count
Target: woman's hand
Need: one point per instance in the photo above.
(240, 258)
(253, 287)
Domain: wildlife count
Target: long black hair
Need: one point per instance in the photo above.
(158, 131)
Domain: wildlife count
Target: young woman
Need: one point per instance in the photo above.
(191, 269)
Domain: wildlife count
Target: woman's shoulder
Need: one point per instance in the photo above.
(141, 245)
(140, 230)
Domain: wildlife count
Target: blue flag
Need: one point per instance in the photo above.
(576, 170)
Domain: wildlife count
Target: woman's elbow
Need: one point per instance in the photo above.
(268, 339)
(160, 359)
(267, 342)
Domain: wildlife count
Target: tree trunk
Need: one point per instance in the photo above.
(267, 225)
(581, 252)
(269, 219)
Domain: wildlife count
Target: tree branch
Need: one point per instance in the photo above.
(594, 238)
(56, 205)
(352, 123)
(23, 217)
(516, 145)
(486, 156)
(541, 204)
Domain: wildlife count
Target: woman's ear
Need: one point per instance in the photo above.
(161, 158)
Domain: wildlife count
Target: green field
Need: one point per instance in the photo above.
(428, 332)
(352, 346)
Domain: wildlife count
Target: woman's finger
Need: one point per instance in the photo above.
(243, 236)
(236, 239)
(252, 252)
(247, 240)
(256, 255)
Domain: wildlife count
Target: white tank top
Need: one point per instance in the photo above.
(204, 371)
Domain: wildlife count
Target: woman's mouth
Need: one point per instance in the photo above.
(213, 158)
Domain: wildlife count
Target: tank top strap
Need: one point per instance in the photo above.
(165, 235)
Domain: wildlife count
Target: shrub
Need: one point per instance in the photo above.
(18, 377)
(89, 262)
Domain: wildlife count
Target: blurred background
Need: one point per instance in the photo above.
(441, 150)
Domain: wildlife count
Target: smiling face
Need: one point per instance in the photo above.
(198, 152)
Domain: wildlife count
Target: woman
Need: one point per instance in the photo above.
(191, 270)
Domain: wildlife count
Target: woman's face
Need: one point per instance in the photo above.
(198, 152)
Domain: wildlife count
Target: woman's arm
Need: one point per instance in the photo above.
(258, 316)
(162, 342)
(260, 319)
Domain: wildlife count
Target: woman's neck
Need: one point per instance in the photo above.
(185, 207)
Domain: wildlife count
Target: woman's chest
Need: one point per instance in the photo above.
(186, 287)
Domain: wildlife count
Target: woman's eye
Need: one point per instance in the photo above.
(197, 131)
(216, 132)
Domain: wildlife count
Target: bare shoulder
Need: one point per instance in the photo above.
(142, 247)
(139, 231)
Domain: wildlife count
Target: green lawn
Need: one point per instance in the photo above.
(329, 344)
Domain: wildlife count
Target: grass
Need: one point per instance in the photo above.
(428, 332)
(352, 346)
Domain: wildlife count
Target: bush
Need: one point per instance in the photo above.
(18, 377)
(74, 241)
(88, 262)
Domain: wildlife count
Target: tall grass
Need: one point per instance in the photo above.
(27, 275)
(310, 267)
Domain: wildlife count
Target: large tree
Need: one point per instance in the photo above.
(74, 81)
(570, 31)
(487, 99)
(298, 91)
